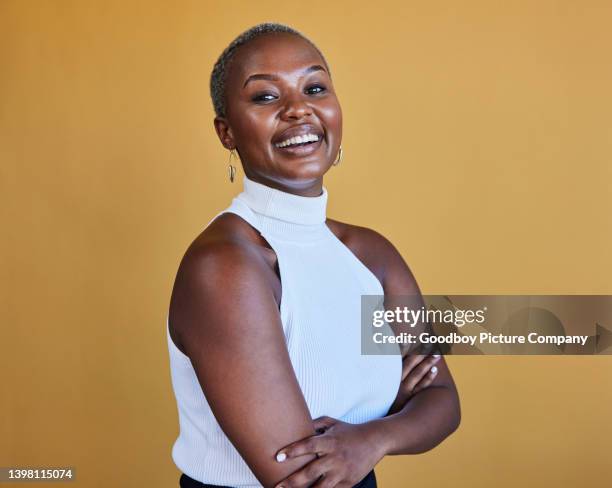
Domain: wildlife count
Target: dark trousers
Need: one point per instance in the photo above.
(186, 482)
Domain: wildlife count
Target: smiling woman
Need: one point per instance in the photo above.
(255, 84)
(264, 322)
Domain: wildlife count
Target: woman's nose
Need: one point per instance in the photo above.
(295, 108)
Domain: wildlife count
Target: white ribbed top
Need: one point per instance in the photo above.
(322, 283)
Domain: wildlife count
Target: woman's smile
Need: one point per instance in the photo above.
(300, 140)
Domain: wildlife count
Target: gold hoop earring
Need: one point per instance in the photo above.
(232, 168)
(339, 158)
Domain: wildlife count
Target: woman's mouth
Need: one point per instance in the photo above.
(300, 145)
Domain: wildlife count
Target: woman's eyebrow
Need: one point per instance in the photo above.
(263, 76)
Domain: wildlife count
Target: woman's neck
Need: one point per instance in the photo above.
(307, 188)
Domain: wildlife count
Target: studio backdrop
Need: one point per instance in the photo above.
(477, 137)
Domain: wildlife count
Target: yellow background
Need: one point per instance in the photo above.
(477, 137)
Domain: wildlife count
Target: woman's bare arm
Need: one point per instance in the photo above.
(423, 418)
(224, 311)
(433, 413)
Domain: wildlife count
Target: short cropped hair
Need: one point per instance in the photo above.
(218, 76)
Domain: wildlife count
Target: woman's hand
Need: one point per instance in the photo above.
(346, 454)
(418, 371)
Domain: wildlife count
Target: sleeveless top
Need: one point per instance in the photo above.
(322, 283)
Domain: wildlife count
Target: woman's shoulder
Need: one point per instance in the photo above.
(225, 261)
(227, 251)
(359, 235)
(226, 227)
(371, 247)
(378, 254)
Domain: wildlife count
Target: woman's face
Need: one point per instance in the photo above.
(277, 89)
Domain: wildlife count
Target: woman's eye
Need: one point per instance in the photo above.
(268, 97)
(316, 88)
(263, 97)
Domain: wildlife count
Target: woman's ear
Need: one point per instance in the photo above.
(224, 132)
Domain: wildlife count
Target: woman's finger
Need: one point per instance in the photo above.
(419, 372)
(409, 362)
(415, 368)
(330, 480)
(427, 380)
(307, 475)
(324, 422)
(316, 444)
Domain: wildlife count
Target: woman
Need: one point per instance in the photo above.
(264, 318)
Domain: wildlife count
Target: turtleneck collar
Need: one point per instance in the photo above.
(284, 206)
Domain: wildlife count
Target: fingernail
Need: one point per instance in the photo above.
(434, 369)
(280, 457)
(436, 356)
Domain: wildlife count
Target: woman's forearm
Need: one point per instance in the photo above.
(425, 420)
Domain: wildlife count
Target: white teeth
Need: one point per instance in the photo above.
(298, 140)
